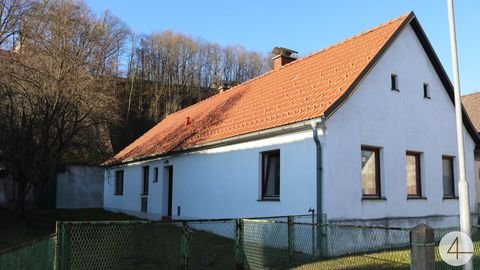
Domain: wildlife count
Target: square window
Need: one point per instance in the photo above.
(119, 182)
(448, 177)
(414, 185)
(394, 81)
(271, 175)
(370, 171)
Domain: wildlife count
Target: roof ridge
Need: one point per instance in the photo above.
(296, 61)
(349, 38)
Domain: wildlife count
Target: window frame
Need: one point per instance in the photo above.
(452, 172)
(145, 179)
(394, 82)
(426, 91)
(119, 191)
(418, 173)
(264, 177)
(378, 184)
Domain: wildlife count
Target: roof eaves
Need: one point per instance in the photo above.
(261, 134)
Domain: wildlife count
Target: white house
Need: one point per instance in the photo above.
(363, 131)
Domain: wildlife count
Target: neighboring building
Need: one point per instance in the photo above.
(80, 186)
(4, 181)
(471, 104)
(372, 118)
(77, 186)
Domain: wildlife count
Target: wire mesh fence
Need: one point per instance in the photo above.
(283, 245)
(294, 242)
(120, 245)
(36, 255)
(439, 233)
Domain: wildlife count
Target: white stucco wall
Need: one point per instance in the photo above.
(80, 187)
(395, 121)
(224, 182)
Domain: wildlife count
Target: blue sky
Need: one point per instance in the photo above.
(305, 26)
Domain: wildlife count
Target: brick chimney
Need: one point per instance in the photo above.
(282, 56)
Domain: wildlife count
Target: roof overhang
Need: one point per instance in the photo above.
(258, 135)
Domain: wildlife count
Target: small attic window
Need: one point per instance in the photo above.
(426, 90)
(394, 79)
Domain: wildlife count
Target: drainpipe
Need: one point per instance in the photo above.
(314, 125)
(321, 229)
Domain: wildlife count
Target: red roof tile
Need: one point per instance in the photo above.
(298, 91)
(471, 103)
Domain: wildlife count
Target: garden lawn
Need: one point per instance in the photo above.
(14, 232)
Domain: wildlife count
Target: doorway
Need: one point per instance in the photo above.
(168, 195)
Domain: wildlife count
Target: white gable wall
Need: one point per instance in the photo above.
(395, 121)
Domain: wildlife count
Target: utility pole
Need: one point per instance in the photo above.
(463, 196)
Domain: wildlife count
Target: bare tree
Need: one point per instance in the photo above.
(11, 13)
(56, 95)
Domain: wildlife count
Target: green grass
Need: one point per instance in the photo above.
(397, 259)
(14, 232)
(159, 245)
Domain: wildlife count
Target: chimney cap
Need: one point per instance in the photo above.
(283, 51)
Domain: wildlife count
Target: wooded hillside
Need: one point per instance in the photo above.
(73, 84)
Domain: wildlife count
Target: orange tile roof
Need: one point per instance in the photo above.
(471, 103)
(299, 91)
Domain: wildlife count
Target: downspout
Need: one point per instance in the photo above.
(319, 168)
(321, 218)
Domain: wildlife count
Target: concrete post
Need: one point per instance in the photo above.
(422, 248)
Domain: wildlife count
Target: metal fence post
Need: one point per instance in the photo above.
(62, 260)
(186, 235)
(322, 235)
(56, 256)
(314, 252)
(291, 239)
(239, 258)
(422, 247)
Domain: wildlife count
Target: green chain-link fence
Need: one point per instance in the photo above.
(295, 242)
(439, 233)
(36, 255)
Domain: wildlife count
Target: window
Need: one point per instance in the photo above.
(119, 182)
(394, 79)
(145, 175)
(414, 186)
(426, 91)
(448, 177)
(155, 174)
(271, 175)
(370, 172)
